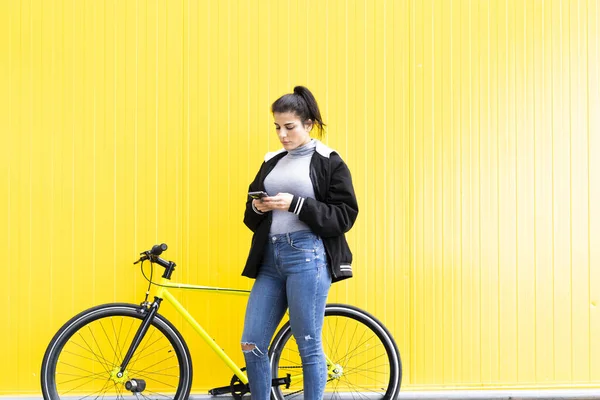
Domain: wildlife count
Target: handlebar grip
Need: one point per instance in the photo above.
(157, 249)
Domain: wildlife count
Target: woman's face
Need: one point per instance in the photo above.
(290, 130)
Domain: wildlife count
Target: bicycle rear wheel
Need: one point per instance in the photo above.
(83, 358)
(366, 361)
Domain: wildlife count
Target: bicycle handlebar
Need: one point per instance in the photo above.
(153, 255)
(157, 249)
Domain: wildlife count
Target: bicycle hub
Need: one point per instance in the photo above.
(337, 371)
(135, 385)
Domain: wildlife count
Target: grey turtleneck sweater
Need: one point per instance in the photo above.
(291, 175)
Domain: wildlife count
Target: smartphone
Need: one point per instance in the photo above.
(258, 195)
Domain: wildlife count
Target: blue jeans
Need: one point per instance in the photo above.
(293, 274)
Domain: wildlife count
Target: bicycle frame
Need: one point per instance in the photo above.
(163, 293)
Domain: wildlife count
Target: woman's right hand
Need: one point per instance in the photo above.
(260, 206)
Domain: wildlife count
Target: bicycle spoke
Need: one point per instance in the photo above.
(143, 395)
(350, 353)
(81, 369)
(83, 357)
(335, 335)
(140, 357)
(160, 395)
(336, 384)
(371, 370)
(357, 366)
(81, 385)
(105, 387)
(98, 345)
(342, 334)
(153, 379)
(155, 372)
(361, 389)
(378, 384)
(366, 349)
(149, 378)
(141, 351)
(90, 377)
(119, 353)
(155, 364)
(103, 361)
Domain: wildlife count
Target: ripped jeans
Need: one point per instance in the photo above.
(293, 274)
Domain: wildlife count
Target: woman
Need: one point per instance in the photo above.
(298, 248)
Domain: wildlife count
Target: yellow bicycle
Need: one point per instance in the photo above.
(121, 350)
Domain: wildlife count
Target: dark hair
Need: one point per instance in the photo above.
(303, 104)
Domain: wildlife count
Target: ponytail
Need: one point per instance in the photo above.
(303, 104)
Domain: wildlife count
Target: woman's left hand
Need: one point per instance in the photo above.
(281, 201)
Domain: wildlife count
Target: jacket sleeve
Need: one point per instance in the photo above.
(336, 215)
(252, 217)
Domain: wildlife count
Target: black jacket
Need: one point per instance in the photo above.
(330, 215)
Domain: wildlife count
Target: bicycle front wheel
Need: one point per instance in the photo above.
(363, 358)
(83, 359)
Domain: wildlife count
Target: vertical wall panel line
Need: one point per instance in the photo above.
(136, 118)
(570, 69)
(11, 255)
(156, 115)
(366, 121)
(413, 267)
(188, 144)
(536, 65)
(30, 110)
(72, 269)
(452, 295)
(115, 164)
(514, 182)
(479, 216)
(346, 54)
(498, 365)
(54, 132)
(589, 182)
(553, 184)
(433, 132)
(442, 214)
(94, 121)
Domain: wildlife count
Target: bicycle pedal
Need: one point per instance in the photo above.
(282, 381)
(220, 390)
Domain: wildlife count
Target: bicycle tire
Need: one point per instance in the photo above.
(355, 341)
(83, 357)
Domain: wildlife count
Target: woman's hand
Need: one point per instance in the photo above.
(281, 201)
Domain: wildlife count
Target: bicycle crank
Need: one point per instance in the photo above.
(238, 389)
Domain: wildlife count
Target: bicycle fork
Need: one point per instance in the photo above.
(139, 335)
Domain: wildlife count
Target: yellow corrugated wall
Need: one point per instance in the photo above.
(471, 128)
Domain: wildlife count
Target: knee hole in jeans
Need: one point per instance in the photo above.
(251, 348)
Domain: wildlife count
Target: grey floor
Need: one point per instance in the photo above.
(566, 394)
(583, 394)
